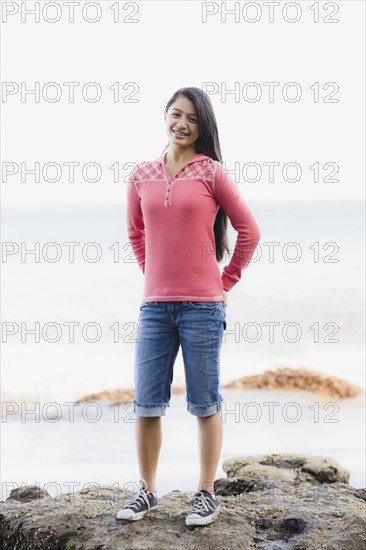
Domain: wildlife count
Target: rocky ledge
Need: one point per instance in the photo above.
(273, 502)
(285, 378)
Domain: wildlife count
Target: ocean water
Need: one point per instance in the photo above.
(69, 327)
(302, 306)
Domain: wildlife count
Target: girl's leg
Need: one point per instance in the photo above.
(148, 442)
(202, 326)
(210, 436)
(156, 351)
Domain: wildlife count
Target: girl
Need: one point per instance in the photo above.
(177, 209)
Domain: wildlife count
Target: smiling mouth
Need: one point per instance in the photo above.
(180, 133)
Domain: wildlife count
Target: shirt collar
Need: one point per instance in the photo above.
(196, 158)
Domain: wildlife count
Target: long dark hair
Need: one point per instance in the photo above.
(207, 143)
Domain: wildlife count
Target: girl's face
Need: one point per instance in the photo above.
(181, 122)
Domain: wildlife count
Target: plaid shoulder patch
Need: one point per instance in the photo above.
(203, 169)
(210, 167)
(153, 170)
(149, 170)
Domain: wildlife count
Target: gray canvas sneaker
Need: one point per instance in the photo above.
(144, 502)
(205, 509)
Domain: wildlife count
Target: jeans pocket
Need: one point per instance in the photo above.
(144, 305)
(210, 306)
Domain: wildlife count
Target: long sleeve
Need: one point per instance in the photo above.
(135, 222)
(228, 196)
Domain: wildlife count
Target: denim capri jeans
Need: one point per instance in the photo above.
(165, 326)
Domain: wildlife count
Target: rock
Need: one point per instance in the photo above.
(297, 379)
(360, 493)
(306, 507)
(289, 468)
(28, 493)
(285, 378)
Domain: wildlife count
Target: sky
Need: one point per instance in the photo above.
(287, 87)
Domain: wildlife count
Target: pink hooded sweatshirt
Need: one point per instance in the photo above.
(170, 228)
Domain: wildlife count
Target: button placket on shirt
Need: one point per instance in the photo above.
(169, 189)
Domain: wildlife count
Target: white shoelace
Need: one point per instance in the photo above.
(140, 499)
(202, 504)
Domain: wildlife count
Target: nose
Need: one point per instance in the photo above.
(182, 124)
